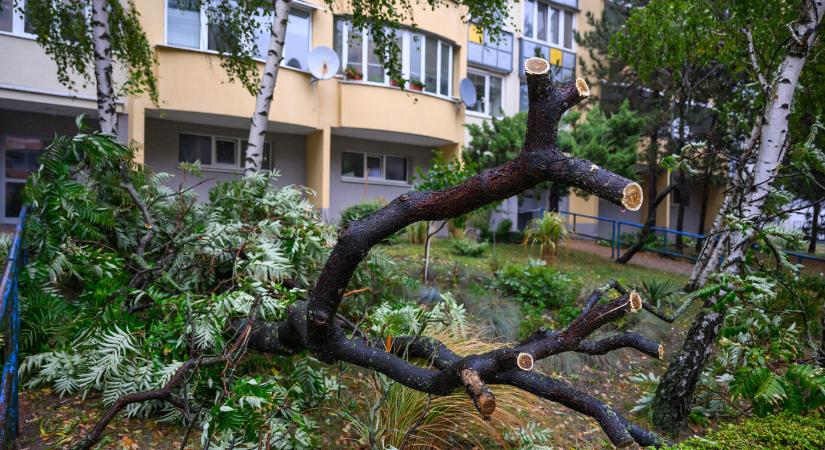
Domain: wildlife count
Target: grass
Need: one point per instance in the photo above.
(592, 270)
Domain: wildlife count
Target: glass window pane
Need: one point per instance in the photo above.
(495, 96)
(6, 15)
(430, 64)
(375, 68)
(554, 25)
(478, 82)
(396, 168)
(22, 156)
(214, 39)
(264, 24)
(416, 44)
(352, 164)
(541, 22)
(183, 23)
(296, 46)
(444, 89)
(14, 198)
(338, 41)
(268, 160)
(195, 148)
(568, 29)
(224, 151)
(528, 18)
(374, 167)
(355, 53)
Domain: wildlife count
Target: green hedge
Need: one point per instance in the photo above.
(782, 431)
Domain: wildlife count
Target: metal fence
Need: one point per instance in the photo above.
(10, 320)
(609, 232)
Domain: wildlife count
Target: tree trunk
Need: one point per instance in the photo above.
(815, 227)
(703, 210)
(553, 198)
(427, 248)
(648, 227)
(680, 215)
(106, 105)
(675, 391)
(260, 118)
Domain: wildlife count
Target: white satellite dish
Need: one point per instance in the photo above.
(468, 92)
(323, 63)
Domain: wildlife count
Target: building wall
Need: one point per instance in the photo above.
(348, 193)
(162, 152)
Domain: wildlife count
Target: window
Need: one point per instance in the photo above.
(218, 152)
(493, 53)
(548, 24)
(376, 167)
(20, 160)
(424, 58)
(7, 15)
(488, 93)
(187, 26)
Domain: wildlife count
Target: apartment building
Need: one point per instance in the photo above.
(355, 137)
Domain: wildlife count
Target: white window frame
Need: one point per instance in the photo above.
(406, 53)
(213, 148)
(486, 113)
(18, 22)
(562, 30)
(378, 180)
(203, 38)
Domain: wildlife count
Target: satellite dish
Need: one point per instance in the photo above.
(323, 63)
(468, 92)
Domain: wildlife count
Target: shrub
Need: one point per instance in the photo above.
(782, 431)
(539, 287)
(547, 233)
(359, 211)
(469, 247)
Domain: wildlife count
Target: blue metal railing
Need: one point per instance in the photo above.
(10, 319)
(615, 238)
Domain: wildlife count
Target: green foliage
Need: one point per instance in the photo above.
(657, 291)
(101, 315)
(547, 233)
(610, 142)
(494, 142)
(529, 437)
(781, 431)
(359, 211)
(469, 247)
(64, 30)
(539, 287)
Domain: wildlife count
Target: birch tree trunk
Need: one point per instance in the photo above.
(675, 391)
(106, 105)
(260, 118)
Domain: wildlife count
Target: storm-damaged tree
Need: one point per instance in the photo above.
(88, 39)
(757, 30)
(313, 326)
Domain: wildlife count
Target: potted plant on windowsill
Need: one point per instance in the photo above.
(396, 83)
(416, 85)
(353, 74)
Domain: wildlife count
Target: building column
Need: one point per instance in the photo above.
(451, 151)
(136, 126)
(319, 167)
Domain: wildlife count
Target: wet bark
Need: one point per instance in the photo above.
(814, 227)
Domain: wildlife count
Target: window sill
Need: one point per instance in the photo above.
(218, 169)
(213, 52)
(477, 114)
(27, 36)
(375, 181)
(343, 80)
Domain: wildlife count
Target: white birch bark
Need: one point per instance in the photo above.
(106, 105)
(260, 117)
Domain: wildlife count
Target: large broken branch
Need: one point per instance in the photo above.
(312, 325)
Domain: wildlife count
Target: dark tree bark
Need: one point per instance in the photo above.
(815, 227)
(312, 326)
(681, 182)
(553, 198)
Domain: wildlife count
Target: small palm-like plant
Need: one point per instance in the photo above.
(547, 233)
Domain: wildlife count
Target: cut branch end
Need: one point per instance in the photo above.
(582, 87)
(661, 352)
(632, 196)
(483, 398)
(525, 361)
(635, 301)
(537, 66)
